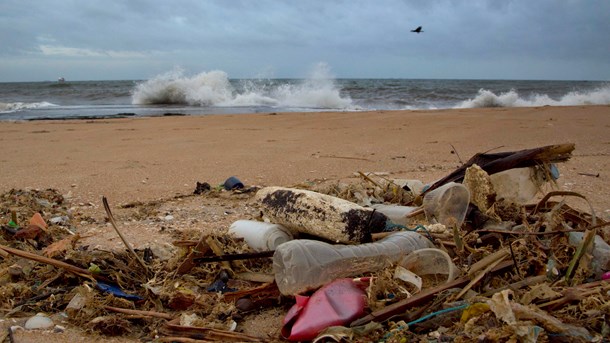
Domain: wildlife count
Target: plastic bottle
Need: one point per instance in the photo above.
(260, 236)
(396, 213)
(302, 265)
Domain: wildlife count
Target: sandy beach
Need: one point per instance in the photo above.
(146, 158)
(153, 162)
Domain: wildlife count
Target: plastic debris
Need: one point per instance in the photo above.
(39, 322)
(116, 291)
(337, 303)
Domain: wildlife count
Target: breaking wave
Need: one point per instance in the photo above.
(22, 106)
(213, 88)
(486, 98)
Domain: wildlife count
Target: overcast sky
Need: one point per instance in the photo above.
(472, 39)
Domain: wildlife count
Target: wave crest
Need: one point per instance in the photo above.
(22, 106)
(486, 98)
(214, 88)
(173, 88)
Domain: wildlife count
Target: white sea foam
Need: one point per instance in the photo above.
(9, 107)
(173, 87)
(486, 98)
(215, 89)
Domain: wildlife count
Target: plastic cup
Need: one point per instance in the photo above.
(447, 204)
(430, 261)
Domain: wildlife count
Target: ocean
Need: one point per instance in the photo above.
(214, 92)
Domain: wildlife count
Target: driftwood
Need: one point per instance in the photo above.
(497, 162)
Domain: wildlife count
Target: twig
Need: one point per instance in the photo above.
(477, 279)
(59, 264)
(589, 174)
(346, 157)
(509, 232)
(532, 280)
(111, 219)
(367, 178)
(140, 312)
(456, 153)
(234, 257)
(415, 212)
(512, 255)
(487, 260)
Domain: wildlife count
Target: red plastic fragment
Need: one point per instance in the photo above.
(338, 303)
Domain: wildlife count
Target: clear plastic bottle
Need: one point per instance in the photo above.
(301, 265)
(396, 213)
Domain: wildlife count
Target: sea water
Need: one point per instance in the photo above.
(214, 92)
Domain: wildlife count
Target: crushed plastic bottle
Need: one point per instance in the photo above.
(302, 265)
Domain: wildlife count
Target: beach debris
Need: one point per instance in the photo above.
(493, 163)
(430, 261)
(260, 236)
(510, 271)
(232, 183)
(301, 265)
(337, 303)
(39, 322)
(318, 214)
(116, 291)
(123, 239)
(447, 204)
(201, 188)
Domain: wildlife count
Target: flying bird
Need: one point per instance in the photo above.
(417, 30)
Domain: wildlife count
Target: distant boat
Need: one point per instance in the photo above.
(61, 80)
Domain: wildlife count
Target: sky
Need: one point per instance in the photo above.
(139, 39)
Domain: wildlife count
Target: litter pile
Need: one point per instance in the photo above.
(469, 257)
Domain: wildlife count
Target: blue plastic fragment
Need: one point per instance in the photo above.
(220, 286)
(116, 291)
(554, 171)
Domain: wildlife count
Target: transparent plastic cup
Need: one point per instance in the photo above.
(447, 204)
(430, 261)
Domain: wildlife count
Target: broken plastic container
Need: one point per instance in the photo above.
(337, 303)
(261, 236)
(430, 262)
(447, 204)
(302, 265)
(518, 185)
